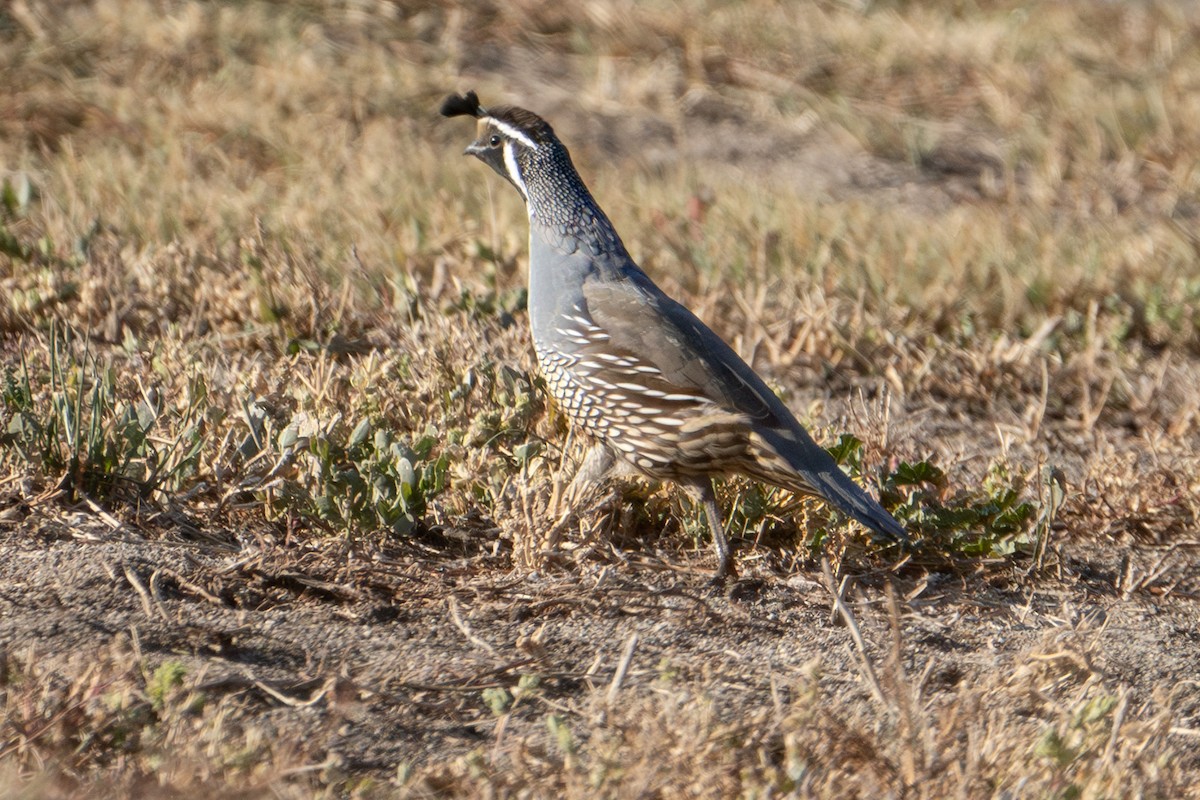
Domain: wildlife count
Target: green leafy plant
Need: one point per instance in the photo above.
(1084, 734)
(68, 414)
(167, 678)
(369, 479)
(991, 521)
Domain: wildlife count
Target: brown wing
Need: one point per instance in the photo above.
(667, 350)
(690, 357)
(636, 383)
(680, 401)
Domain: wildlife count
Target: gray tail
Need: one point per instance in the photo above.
(836, 487)
(826, 479)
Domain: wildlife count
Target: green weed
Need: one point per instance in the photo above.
(69, 415)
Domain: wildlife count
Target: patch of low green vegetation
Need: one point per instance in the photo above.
(148, 723)
(996, 519)
(165, 680)
(363, 480)
(72, 417)
(83, 423)
(501, 701)
(993, 520)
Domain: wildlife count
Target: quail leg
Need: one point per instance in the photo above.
(702, 492)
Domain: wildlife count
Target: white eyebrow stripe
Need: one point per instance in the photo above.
(513, 132)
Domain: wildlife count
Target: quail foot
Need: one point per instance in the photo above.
(651, 386)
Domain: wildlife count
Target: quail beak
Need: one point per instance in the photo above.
(488, 155)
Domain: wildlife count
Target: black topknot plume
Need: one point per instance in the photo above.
(460, 105)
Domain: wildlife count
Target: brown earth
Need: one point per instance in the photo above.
(378, 657)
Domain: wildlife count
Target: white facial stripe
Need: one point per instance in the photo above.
(514, 171)
(513, 133)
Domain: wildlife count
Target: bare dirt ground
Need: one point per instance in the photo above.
(374, 659)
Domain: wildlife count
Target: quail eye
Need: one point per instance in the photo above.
(494, 141)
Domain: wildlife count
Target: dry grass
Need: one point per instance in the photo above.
(249, 290)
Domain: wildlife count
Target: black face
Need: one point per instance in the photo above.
(502, 150)
(489, 148)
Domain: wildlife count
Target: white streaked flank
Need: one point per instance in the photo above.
(619, 361)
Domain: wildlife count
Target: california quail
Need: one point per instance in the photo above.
(643, 376)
